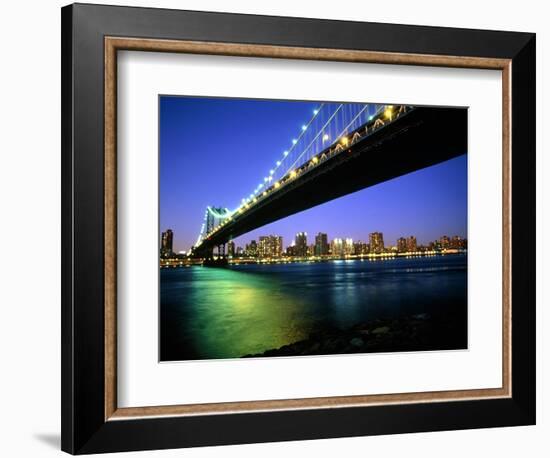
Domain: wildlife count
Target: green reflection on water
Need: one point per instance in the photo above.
(236, 313)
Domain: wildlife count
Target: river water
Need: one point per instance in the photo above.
(213, 313)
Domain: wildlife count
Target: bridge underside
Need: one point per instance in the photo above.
(424, 137)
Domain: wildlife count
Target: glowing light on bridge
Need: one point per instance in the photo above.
(345, 123)
(295, 141)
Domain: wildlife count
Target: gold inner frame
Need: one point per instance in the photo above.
(114, 44)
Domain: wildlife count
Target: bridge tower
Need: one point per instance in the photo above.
(214, 217)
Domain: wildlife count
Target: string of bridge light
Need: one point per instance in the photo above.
(386, 109)
(325, 137)
(269, 177)
(203, 227)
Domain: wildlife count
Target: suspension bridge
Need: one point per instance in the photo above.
(343, 148)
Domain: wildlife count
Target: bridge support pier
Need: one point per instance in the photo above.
(219, 261)
(209, 253)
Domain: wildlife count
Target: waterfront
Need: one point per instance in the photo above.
(211, 313)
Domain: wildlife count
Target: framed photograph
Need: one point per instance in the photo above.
(281, 228)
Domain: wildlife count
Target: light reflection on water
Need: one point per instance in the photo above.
(209, 313)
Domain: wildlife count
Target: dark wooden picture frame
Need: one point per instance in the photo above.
(91, 37)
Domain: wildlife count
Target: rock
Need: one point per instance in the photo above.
(356, 342)
(410, 333)
(315, 347)
(330, 345)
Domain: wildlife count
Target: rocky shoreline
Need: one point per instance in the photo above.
(420, 332)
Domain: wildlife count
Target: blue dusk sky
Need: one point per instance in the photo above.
(214, 151)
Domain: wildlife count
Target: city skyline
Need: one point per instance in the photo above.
(436, 194)
(321, 243)
(240, 242)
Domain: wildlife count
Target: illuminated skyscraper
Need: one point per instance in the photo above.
(251, 249)
(231, 248)
(401, 245)
(337, 247)
(445, 242)
(457, 242)
(321, 244)
(348, 247)
(411, 244)
(360, 247)
(290, 250)
(376, 241)
(264, 246)
(278, 242)
(270, 246)
(301, 244)
(166, 243)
